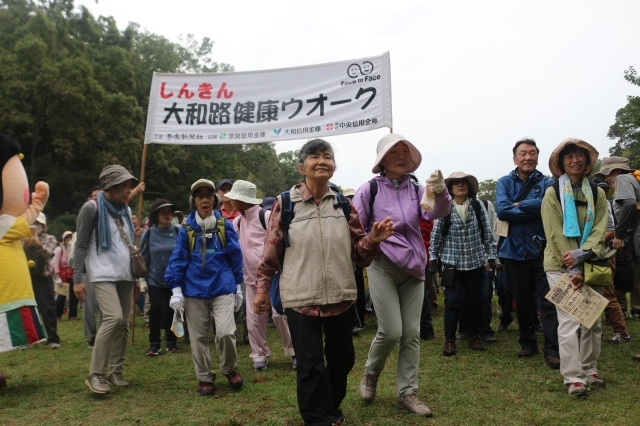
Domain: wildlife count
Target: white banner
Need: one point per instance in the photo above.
(272, 105)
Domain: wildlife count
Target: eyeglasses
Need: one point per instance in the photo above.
(458, 182)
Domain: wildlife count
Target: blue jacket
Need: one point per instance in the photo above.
(222, 270)
(524, 221)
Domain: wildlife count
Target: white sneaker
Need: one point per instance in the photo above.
(54, 345)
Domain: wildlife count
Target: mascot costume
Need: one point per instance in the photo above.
(20, 323)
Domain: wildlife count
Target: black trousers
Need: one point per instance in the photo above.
(45, 299)
(321, 386)
(73, 302)
(426, 323)
(465, 295)
(361, 303)
(486, 311)
(160, 314)
(525, 277)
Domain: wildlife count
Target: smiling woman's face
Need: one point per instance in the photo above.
(318, 166)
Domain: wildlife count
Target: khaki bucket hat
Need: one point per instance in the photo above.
(610, 164)
(114, 175)
(389, 141)
(471, 180)
(554, 159)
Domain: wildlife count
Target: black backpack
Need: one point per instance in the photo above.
(476, 209)
(594, 190)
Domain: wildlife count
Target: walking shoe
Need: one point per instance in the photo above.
(97, 384)
(502, 328)
(527, 352)
(412, 404)
(619, 339)
(91, 342)
(116, 379)
(235, 379)
(172, 347)
(368, 386)
(54, 345)
(635, 358)
(594, 380)
(489, 338)
(340, 420)
(260, 365)
(154, 349)
(577, 389)
(449, 347)
(206, 388)
(475, 344)
(294, 363)
(355, 331)
(553, 361)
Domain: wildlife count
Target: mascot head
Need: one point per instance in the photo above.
(14, 186)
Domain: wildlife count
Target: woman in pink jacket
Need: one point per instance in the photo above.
(251, 230)
(396, 275)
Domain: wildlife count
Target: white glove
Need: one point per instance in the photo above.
(176, 300)
(435, 183)
(239, 297)
(144, 288)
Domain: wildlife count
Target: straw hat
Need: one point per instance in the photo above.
(471, 180)
(555, 162)
(244, 191)
(389, 141)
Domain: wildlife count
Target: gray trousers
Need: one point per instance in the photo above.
(90, 309)
(198, 313)
(110, 350)
(397, 298)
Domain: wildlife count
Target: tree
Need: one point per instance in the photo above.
(626, 129)
(487, 190)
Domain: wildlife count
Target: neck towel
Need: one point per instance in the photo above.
(571, 227)
(109, 211)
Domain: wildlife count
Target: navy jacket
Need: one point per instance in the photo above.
(524, 221)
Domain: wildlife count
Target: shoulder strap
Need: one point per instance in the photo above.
(373, 191)
(476, 209)
(526, 191)
(191, 236)
(486, 204)
(222, 234)
(594, 191)
(343, 203)
(445, 226)
(148, 240)
(262, 218)
(287, 216)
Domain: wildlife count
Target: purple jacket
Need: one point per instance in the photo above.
(405, 247)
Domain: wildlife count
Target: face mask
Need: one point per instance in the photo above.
(39, 229)
(174, 221)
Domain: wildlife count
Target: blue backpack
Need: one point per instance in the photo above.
(287, 216)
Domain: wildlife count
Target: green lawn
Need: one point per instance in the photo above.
(493, 387)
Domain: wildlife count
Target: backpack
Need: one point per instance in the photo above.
(261, 216)
(287, 216)
(476, 209)
(594, 190)
(373, 191)
(192, 234)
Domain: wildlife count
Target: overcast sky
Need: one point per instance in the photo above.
(469, 78)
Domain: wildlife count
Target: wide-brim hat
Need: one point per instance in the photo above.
(41, 219)
(471, 180)
(610, 164)
(114, 175)
(554, 159)
(244, 191)
(348, 192)
(389, 141)
(65, 234)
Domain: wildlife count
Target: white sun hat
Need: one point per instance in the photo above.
(389, 141)
(244, 191)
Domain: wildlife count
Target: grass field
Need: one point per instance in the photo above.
(493, 387)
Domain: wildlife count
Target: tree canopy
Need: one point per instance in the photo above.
(626, 128)
(74, 92)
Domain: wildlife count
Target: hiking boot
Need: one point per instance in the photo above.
(475, 344)
(116, 379)
(154, 349)
(527, 352)
(260, 365)
(172, 347)
(97, 384)
(553, 361)
(449, 347)
(206, 388)
(577, 389)
(619, 339)
(412, 404)
(235, 379)
(594, 380)
(368, 386)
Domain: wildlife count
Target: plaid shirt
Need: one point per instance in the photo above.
(49, 244)
(463, 246)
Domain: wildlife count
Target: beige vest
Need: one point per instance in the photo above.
(317, 266)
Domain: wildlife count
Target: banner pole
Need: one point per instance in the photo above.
(133, 305)
(390, 129)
